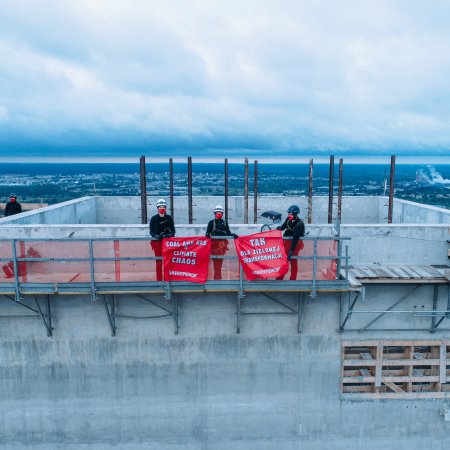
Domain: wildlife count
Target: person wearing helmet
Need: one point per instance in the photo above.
(293, 227)
(161, 226)
(218, 228)
(13, 206)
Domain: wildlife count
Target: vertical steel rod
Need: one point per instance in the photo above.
(314, 283)
(391, 189)
(341, 170)
(310, 190)
(255, 193)
(92, 270)
(16, 270)
(330, 191)
(143, 183)
(226, 189)
(49, 317)
(190, 217)
(171, 187)
(246, 191)
(435, 299)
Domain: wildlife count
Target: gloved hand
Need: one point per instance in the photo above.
(159, 236)
(234, 235)
(279, 228)
(168, 235)
(289, 256)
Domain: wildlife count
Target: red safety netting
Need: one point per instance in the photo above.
(147, 269)
(223, 268)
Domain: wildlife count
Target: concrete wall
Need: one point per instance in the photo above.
(126, 210)
(79, 211)
(409, 212)
(268, 388)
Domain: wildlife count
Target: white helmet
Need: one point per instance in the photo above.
(161, 202)
(218, 208)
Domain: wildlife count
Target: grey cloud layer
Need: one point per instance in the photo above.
(276, 76)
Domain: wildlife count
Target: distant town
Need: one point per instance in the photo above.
(37, 183)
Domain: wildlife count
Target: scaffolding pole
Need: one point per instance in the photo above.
(330, 190)
(190, 215)
(255, 193)
(143, 183)
(391, 189)
(310, 190)
(171, 187)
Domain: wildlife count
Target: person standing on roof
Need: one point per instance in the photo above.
(13, 206)
(293, 227)
(161, 226)
(218, 228)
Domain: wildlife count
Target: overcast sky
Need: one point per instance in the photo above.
(224, 78)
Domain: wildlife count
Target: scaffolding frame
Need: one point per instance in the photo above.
(347, 309)
(106, 292)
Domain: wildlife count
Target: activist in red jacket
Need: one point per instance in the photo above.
(293, 227)
(218, 227)
(161, 226)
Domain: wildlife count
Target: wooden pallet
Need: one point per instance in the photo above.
(395, 369)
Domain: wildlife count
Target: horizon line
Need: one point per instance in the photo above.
(296, 160)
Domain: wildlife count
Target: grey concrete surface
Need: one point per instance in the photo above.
(126, 210)
(207, 388)
(268, 388)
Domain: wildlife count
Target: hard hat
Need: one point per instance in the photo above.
(294, 210)
(218, 209)
(161, 202)
(13, 196)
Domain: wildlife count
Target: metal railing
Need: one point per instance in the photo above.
(21, 274)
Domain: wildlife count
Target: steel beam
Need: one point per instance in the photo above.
(172, 210)
(110, 313)
(246, 191)
(226, 189)
(190, 214)
(143, 184)
(391, 190)
(330, 190)
(310, 190)
(341, 169)
(302, 300)
(255, 192)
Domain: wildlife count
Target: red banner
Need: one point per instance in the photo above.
(262, 255)
(186, 259)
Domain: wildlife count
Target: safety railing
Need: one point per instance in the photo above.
(63, 265)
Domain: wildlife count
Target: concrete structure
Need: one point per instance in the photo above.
(268, 387)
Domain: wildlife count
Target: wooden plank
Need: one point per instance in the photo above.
(394, 387)
(422, 272)
(378, 366)
(398, 270)
(369, 379)
(433, 272)
(391, 273)
(409, 272)
(367, 272)
(394, 343)
(411, 362)
(393, 395)
(417, 379)
(370, 272)
(357, 273)
(354, 283)
(358, 363)
(443, 364)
